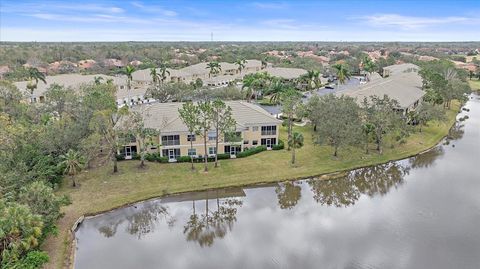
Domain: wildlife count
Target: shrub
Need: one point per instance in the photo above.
(251, 151)
(279, 146)
(120, 157)
(34, 259)
(223, 156)
(135, 156)
(184, 159)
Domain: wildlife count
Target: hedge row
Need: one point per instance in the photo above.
(155, 157)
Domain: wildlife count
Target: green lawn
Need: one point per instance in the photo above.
(100, 190)
(475, 84)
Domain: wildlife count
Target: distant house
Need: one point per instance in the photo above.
(400, 82)
(229, 72)
(113, 63)
(73, 81)
(3, 70)
(255, 127)
(86, 64)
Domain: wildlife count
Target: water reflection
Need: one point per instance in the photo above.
(426, 159)
(140, 222)
(288, 194)
(208, 226)
(346, 190)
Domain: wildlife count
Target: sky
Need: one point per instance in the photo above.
(196, 20)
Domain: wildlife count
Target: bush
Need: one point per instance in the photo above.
(34, 259)
(279, 146)
(223, 156)
(120, 157)
(135, 156)
(251, 151)
(184, 159)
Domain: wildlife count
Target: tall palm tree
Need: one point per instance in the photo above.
(73, 163)
(155, 75)
(313, 79)
(295, 142)
(241, 64)
(214, 67)
(34, 75)
(163, 72)
(277, 87)
(264, 63)
(129, 71)
(343, 74)
(369, 66)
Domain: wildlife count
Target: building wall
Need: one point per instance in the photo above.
(247, 135)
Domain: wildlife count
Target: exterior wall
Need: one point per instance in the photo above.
(247, 135)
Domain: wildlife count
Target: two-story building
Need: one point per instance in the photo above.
(254, 127)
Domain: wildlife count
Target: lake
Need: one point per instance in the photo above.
(421, 212)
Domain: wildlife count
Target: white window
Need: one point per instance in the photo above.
(245, 142)
(212, 150)
(255, 128)
(191, 137)
(212, 136)
(255, 142)
(192, 152)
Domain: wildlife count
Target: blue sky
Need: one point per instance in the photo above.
(194, 20)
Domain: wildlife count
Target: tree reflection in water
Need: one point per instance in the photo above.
(426, 159)
(288, 194)
(204, 228)
(346, 190)
(141, 222)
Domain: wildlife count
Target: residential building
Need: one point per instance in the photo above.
(73, 81)
(255, 127)
(400, 82)
(229, 73)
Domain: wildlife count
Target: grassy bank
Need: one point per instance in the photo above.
(100, 190)
(475, 84)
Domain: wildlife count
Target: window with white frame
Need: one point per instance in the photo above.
(269, 130)
(192, 152)
(255, 128)
(191, 137)
(255, 142)
(212, 150)
(212, 136)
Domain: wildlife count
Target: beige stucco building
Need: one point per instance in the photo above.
(254, 127)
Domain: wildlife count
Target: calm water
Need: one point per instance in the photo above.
(422, 212)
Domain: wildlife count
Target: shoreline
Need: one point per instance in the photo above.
(67, 251)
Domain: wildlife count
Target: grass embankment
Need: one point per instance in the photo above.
(100, 190)
(475, 84)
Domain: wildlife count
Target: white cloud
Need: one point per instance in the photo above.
(409, 22)
(154, 9)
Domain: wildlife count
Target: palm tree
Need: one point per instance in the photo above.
(241, 64)
(313, 79)
(214, 67)
(264, 63)
(277, 87)
(129, 71)
(155, 75)
(295, 142)
(34, 75)
(163, 72)
(342, 73)
(73, 163)
(369, 66)
(97, 80)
